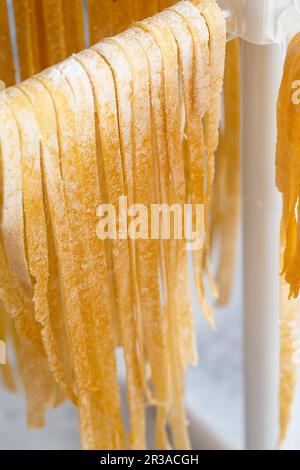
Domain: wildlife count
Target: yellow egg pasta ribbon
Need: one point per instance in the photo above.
(7, 69)
(6, 326)
(226, 197)
(27, 51)
(55, 39)
(287, 180)
(73, 25)
(100, 20)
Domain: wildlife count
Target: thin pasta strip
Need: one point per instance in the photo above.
(7, 72)
(226, 198)
(165, 3)
(5, 335)
(73, 25)
(287, 180)
(31, 40)
(39, 41)
(12, 211)
(55, 39)
(57, 313)
(38, 383)
(144, 9)
(122, 14)
(289, 334)
(24, 33)
(100, 20)
(13, 304)
(287, 165)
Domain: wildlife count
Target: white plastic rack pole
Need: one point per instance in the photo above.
(261, 71)
(264, 26)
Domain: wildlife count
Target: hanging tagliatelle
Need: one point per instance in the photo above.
(133, 120)
(287, 180)
(7, 72)
(287, 166)
(226, 195)
(47, 31)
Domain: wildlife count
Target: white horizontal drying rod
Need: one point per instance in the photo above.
(265, 27)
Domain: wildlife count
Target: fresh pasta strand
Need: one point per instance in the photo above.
(144, 9)
(5, 335)
(23, 15)
(100, 20)
(287, 165)
(165, 3)
(289, 334)
(122, 14)
(12, 209)
(73, 25)
(55, 38)
(7, 71)
(226, 197)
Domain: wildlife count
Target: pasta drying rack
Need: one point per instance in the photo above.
(265, 28)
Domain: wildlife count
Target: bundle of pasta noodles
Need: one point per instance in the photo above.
(137, 115)
(287, 179)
